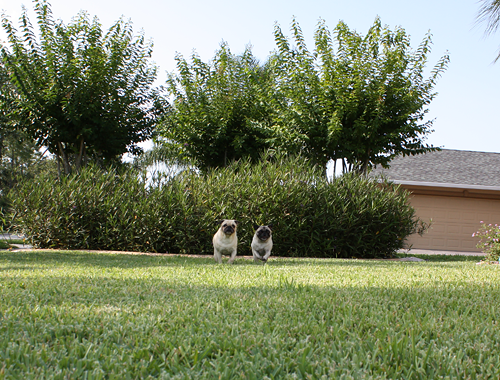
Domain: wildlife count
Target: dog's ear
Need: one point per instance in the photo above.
(255, 226)
(270, 226)
(236, 222)
(218, 222)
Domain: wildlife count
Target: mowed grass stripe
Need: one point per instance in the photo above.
(72, 314)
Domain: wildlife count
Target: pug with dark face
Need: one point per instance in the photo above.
(262, 242)
(225, 240)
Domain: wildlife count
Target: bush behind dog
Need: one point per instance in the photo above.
(351, 216)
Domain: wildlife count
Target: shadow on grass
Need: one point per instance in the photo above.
(94, 259)
(17, 267)
(125, 260)
(444, 258)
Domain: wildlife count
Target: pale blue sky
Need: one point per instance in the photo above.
(465, 111)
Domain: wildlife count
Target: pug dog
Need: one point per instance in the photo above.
(225, 240)
(262, 242)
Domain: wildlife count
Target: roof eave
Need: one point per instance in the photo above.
(446, 185)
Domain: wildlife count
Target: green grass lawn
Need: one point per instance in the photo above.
(84, 315)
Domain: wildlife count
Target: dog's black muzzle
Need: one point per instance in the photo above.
(228, 230)
(263, 234)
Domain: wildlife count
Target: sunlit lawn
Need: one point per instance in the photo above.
(86, 315)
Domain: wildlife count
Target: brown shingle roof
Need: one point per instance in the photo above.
(456, 167)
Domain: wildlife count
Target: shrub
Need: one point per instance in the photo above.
(95, 209)
(490, 241)
(351, 216)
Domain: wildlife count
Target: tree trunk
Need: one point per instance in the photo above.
(364, 167)
(1, 146)
(66, 165)
(58, 166)
(78, 163)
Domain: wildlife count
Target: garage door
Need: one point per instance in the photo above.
(454, 220)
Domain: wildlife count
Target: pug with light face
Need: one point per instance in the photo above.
(225, 240)
(262, 242)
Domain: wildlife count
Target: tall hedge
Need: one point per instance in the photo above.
(351, 216)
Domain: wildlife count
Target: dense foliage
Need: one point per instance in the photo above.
(88, 95)
(19, 155)
(351, 216)
(362, 99)
(219, 111)
(81, 92)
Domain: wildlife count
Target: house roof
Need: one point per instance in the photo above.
(446, 168)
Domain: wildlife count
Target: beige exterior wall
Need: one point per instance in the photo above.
(455, 215)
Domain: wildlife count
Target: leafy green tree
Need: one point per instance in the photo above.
(83, 93)
(7, 95)
(6, 131)
(300, 111)
(19, 155)
(218, 112)
(362, 99)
